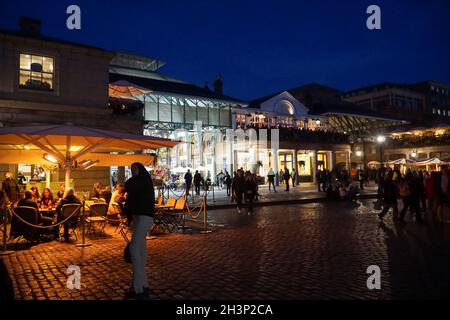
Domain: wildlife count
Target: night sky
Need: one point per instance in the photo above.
(260, 47)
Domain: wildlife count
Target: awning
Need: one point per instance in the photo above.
(67, 143)
(100, 159)
(431, 161)
(401, 161)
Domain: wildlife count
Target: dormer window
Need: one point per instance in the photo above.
(36, 72)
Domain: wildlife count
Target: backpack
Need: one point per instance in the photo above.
(404, 190)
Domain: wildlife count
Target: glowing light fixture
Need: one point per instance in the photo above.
(75, 148)
(90, 165)
(50, 158)
(413, 154)
(359, 153)
(381, 139)
(318, 122)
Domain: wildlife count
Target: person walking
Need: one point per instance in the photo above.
(360, 175)
(271, 178)
(188, 181)
(227, 180)
(443, 192)
(140, 210)
(390, 195)
(250, 188)
(409, 191)
(422, 195)
(197, 182)
(237, 189)
(286, 176)
(319, 178)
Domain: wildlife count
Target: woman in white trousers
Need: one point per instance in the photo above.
(140, 208)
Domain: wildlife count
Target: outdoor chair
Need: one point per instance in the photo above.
(159, 201)
(163, 218)
(20, 229)
(66, 211)
(98, 213)
(179, 211)
(115, 215)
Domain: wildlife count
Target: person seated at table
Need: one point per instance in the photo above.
(28, 200)
(35, 193)
(60, 193)
(118, 197)
(106, 194)
(46, 199)
(96, 191)
(69, 198)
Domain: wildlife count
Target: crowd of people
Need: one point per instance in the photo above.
(16, 195)
(420, 192)
(244, 189)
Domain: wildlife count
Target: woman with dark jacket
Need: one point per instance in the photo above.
(69, 198)
(140, 208)
(250, 188)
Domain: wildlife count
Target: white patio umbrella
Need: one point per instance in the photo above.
(65, 144)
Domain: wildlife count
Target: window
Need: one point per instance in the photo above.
(36, 72)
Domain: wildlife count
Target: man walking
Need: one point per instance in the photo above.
(188, 181)
(227, 181)
(293, 177)
(271, 178)
(197, 182)
(238, 189)
(286, 176)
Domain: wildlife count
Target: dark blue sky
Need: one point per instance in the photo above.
(260, 47)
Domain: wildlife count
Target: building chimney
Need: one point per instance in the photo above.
(30, 26)
(218, 85)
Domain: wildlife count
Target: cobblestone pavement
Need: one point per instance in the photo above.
(310, 251)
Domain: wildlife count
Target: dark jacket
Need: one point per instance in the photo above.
(238, 185)
(188, 178)
(197, 179)
(28, 203)
(140, 196)
(12, 189)
(67, 200)
(390, 192)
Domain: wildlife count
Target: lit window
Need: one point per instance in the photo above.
(434, 110)
(36, 72)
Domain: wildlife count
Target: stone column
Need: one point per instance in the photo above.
(275, 168)
(332, 159)
(295, 166)
(348, 160)
(187, 137)
(314, 165)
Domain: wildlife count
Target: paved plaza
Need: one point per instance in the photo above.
(309, 251)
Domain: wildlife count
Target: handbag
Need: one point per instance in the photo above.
(127, 254)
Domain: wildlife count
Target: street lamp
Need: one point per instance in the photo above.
(359, 153)
(381, 139)
(413, 154)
